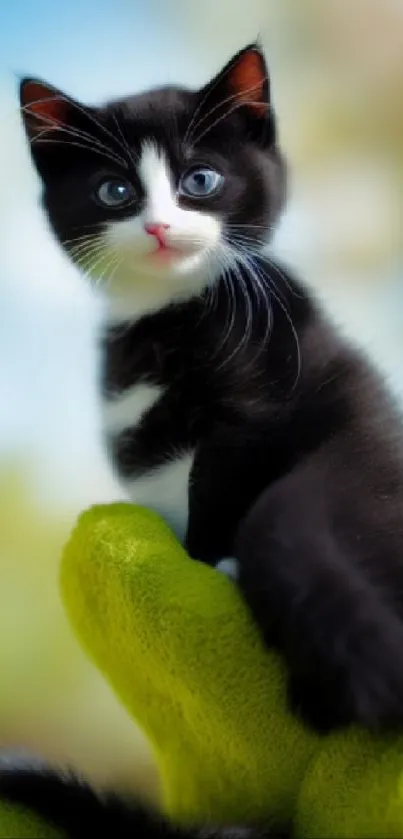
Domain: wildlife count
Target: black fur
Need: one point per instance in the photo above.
(71, 805)
(298, 468)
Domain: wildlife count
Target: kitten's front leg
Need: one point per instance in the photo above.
(222, 489)
(313, 601)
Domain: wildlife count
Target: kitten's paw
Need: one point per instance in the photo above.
(363, 686)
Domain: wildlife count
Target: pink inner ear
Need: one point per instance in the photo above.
(44, 103)
(248, 81)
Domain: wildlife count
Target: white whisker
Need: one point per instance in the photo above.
(93, 149)
(233, 96)
(71, 129)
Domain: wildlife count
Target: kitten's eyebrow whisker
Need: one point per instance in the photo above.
(125, 143)
(220, 119)
(211, 87)
(89, 114)
(204, 99)
(60, 125)
(234, 97)
(86, 147)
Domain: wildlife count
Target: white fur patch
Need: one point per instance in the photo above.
(127, 409)
(228, 566)
(166, 491)
(165, 488)
(139, 283)
(156, 178)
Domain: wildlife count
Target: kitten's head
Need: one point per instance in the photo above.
(159, 193)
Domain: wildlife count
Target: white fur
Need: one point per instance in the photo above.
(228, 566)
(137, 283)
(127, 409)
(165, 490)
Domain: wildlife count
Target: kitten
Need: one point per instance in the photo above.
(230, 405)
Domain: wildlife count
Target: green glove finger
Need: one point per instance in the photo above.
(18, 823)
(177, 644)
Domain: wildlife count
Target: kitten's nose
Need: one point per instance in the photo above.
(157, 229)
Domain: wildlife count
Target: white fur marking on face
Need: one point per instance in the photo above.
(156, 178)
(140, 283)
(127, 409)
(166, 491)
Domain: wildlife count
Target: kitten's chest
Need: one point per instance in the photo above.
(158, 405)
(151, 450)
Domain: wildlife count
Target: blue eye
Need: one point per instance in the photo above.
(201, 182)
(115, 193)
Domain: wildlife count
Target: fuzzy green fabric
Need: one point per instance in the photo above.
(175, 640)
(18, 823)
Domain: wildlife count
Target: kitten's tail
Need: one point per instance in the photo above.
(72, 806)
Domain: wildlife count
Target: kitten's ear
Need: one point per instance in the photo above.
(244, 81)
(43, 108)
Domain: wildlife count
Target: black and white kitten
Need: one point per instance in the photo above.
(230, 405)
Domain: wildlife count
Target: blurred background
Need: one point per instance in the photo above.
(337, 81)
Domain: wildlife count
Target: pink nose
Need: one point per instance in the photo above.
(157, 230)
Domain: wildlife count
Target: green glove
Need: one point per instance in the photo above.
(176, 642)
(18, 823)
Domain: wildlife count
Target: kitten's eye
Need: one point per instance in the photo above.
(115, 193)
(200, 182)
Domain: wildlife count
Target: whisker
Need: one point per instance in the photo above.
(78, 133)
(232, 98)
(246, 225)
(98, 257)
(283, 277)
(81, 258)
(204, 99)
(88, 113)
(93, 149)
(228, 282)
(262, 296)
(73, 130)
(251, 244)
(220, 119)
(85, 237)
(109, 270)
(129, 151)
(76, 245)
(283, 307)
(95, 225)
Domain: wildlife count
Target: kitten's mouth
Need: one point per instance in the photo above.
(166, 253)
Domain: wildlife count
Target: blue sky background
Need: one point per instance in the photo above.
(94, 46)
